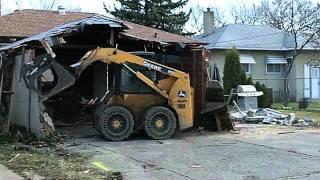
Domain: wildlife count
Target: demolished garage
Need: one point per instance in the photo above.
(36, 97)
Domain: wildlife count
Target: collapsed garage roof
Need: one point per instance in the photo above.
(66, 28)
(37, 25)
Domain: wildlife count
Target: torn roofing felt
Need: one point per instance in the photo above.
(145, 33)
(67, 28)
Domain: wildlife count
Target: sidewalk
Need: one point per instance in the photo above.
(6, 174)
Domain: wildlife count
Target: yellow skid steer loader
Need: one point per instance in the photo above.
(169, 106)
(141, 95)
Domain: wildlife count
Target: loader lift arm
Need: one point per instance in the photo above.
(178, 93)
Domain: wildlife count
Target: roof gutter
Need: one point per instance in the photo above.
(261, 49)
(241, 48)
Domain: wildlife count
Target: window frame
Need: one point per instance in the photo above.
(280, 72)
(249, 68)
(139, 86)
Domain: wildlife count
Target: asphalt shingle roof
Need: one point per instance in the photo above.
(250, 37)
(29, 22)
(152, 34)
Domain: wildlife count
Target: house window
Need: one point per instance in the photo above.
(274, 68)
(246, 68)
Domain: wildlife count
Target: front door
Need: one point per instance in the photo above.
(315, 82)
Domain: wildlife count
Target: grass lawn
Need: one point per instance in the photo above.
(312, 105)
(313, 110)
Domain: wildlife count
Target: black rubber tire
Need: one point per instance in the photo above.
(126, 120)
(97, 113)
(169, 120)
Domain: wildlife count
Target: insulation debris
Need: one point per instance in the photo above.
(48, 126)
(268, 116)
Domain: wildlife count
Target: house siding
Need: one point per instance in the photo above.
(258, 73)
(302, 59)
(257, 41)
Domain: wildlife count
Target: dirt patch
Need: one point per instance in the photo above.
(260, 131)
(49, 162)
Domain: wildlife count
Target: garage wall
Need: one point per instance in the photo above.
(24, 100)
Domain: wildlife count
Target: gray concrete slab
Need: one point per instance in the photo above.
(6, 174)
(256, 152)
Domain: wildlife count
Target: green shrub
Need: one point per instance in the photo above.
(304, 103)
(264, 101)
(233, 74)
(249, 81)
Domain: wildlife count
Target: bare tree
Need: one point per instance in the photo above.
(300, 18)
(195, 23)
(39, 4)
(246, 15)
(49, 4)
(43, 4)
(278, 13)
(314, 59)
(195, 20)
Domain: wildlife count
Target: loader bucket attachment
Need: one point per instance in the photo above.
(46, 76)
(215, 115)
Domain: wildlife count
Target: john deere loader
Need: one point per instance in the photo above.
(142, 95)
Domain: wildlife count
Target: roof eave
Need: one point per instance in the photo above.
(249, 48)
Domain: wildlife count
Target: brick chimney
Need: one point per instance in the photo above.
(208, 21)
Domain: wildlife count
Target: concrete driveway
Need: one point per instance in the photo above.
(254, 152)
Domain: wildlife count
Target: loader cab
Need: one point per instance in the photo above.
(128, 83)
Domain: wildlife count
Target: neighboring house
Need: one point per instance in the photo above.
(264, 55)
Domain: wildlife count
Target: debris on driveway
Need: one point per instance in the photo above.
(290, 132)
(246, 110)
(268, 116)
(210, 155)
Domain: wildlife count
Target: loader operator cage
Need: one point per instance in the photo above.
(130, 84)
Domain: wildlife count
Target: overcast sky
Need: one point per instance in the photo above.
(96, 6)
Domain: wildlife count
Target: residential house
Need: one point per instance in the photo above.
(264, 55)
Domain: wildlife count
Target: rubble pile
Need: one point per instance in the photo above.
(246, 110)
(269, 116)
